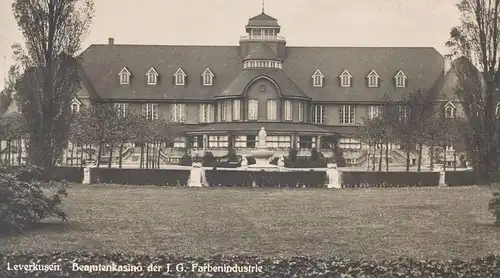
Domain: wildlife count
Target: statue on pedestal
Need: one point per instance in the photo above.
(281, 161)
(244, 161)
(262, 138)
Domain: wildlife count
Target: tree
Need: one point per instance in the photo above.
(477, 40)
(52, 31)
(373, 135)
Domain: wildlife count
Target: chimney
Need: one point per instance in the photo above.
(111, 41)
(447, 63)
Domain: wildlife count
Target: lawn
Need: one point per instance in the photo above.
(430, 223)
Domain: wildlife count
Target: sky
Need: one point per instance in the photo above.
(222, 22)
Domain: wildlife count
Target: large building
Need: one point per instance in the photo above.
(304, 96)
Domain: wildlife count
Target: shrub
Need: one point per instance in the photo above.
(23, 203)
(292, 154)
(186, 160)
(494, 206)
(208, 159)
(251, 160)
(232, 157)
(338, 156)
(197, 159)
(314, 154)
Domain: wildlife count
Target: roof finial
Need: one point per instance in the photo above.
(263, 6)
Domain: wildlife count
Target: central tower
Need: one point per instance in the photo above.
(262, 32)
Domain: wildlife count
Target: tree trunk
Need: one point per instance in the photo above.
(147, 155)
(380, 158)
(373, 157)
(9, 152)
(407, 157)
(72, 154)
(454, 160)
(159, 154)
(444, 158)
(99, 155)
(387, 156)
(368, 158)
(19, 151)
(120, 159)
(111, 147)
(419, 165)
(82, 147)
(141, 164)
(431, 155)
(6, 155)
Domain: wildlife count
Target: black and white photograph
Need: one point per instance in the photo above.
(250, 138)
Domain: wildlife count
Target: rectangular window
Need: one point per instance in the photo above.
(236, 109)
(318, 82)
(319, 114)
(179, 112)
(288, 110)
(403, 113)
(306, 142)
(218, 141)
(372, 81)
(374, 111)
(121, 109)
(253, 109)
(279, 141)
(301, 111)
(225, 111)
(347, 114)
(345, 81)
(196, 141)
(179, 142)
(206, 113)
(400, 82)
(272, 109)
(150, 111)
(207, 80)
(349, 144)
(152, 79)
(179, 79)
(248, 141)
(124, 78)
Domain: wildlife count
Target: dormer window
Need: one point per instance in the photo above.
(124, 76)
(449, 110)
(317, 79)
(345, 79)
(373, 79)
(152, 75)
(400, 78)
(208, 77)
(180, 77)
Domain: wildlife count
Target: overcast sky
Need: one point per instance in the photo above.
(222, 22)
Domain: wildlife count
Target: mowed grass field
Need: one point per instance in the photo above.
(421, 223)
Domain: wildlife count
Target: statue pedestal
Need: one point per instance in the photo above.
(195, 176)
(442, 176)
(334, 176)
(87, 178)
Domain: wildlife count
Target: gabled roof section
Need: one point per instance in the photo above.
(180, 72)
(287, 87)
(345, 72)
(317, 73)
(400, 73)
(152, 71)
(449, 104)
(262, 51)
(207, 72)
(124, 71)
(373, 73)
(75, 100)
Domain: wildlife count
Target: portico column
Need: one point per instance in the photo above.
(205, 142)
(318, 142)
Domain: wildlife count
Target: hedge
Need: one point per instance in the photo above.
(389, 179)
(458, 178)
(140, 176)
(269, 267)
(216, 177)
(59, 173)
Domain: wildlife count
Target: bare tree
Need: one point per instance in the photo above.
(477, 39)
(52, 31)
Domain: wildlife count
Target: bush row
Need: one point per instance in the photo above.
(269, 267)
(140, 176)
(266, 179)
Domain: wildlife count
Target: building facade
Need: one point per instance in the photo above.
(305, 97)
